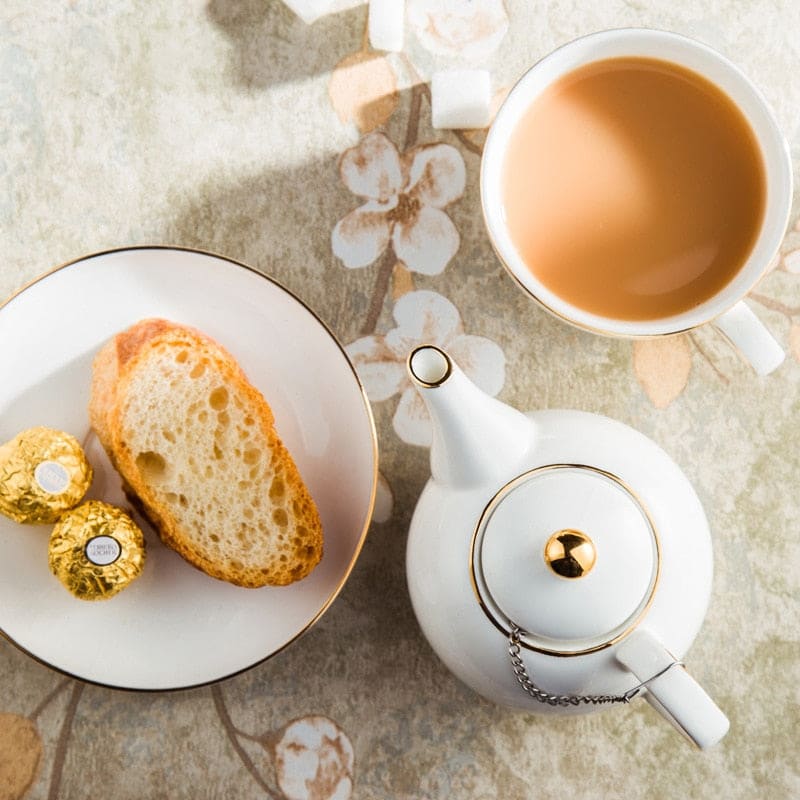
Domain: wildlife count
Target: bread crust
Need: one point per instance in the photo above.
(117, 371)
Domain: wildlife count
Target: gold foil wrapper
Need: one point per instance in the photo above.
(96, 550)
(43, 473)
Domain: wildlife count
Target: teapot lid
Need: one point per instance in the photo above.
(568, 554)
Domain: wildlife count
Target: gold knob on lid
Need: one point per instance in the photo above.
(570, 553)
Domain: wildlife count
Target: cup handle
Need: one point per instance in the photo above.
(749, 335)
(672, 691)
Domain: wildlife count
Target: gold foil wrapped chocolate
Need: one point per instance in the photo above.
(43, 473)
(96, 550)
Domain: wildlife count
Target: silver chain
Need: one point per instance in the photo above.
(536, 693)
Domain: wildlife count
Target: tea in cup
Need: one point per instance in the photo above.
(635, 183)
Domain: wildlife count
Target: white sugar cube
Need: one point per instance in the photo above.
(309, 10)
(386, 23)
(460, 98)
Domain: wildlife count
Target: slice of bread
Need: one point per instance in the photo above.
(195, 443)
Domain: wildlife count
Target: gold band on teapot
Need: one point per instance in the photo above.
(501, 621)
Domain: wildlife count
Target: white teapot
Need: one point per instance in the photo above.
(557, 561)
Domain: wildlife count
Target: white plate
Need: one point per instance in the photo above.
(176, 627)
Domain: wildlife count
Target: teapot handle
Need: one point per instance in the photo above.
(673, 692)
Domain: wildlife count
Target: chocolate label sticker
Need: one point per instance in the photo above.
(52, 477)
(102, 550)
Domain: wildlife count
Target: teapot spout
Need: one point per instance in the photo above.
(476, 439)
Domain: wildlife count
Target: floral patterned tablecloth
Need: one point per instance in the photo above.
(233, 126)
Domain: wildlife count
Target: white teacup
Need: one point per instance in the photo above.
(726, 309)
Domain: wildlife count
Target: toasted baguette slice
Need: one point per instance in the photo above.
(195, 442)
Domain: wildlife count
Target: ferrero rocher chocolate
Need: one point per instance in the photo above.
(96, 550)
(43, 473)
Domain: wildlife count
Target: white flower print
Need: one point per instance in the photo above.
(404, 196)
(314, 760)
(468, 29)
(422, 317)
(384, 501)
(791, 261)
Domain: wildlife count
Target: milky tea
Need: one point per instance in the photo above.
(633, 188)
